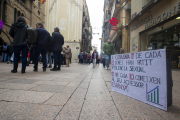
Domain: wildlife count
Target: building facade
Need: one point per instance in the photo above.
(156, 25)
(119, 34)
(10, 10)
(69, 16)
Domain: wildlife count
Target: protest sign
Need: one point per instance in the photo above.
(142, 76)
(1, 25)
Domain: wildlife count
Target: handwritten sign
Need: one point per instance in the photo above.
(141, 75)
(1, 25)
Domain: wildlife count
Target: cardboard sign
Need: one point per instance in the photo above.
(1, 24)
(142, 76)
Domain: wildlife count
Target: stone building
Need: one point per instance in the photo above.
(119, 34)
(156, 25)
(32, 10)
(72, 18)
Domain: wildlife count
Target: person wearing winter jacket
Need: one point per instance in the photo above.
(4, 52)
(18, 32)
(84, 58)
(94, 57)
(41, 45)
(109, 50)
(89, 57)
(10, 51)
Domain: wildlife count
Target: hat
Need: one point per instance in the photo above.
(67, 45)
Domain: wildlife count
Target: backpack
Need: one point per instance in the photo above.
(31, 34)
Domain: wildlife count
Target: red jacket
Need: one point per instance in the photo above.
(88, 57)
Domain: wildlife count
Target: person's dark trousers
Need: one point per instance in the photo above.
(103, 62)
(89, 61)
(82, 61)
(70, 60)
(39, 50)
(57, 59)
(17, 50)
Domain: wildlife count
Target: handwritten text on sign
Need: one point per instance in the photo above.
(142, 76)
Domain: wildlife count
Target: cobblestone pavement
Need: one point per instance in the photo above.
(75, 93)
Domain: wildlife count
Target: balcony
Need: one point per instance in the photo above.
(146, 3)
(115, 8)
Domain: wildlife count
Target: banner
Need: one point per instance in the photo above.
(141, 75)
(1, 25)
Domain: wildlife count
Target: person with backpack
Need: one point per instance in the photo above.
(109, 50)
(10, 51)
(18, 32)
(41, 45)
(4, 52)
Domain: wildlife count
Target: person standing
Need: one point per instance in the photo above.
(10, 51)
(56, 46)
(41, 45)
(4, 52)
(109, 50)
(70, 57)
(103, 58)
(48, 58)
(81, 57)
(94, 57)
(89, 57)
(67, 55)
(18, 32)
(84, 58)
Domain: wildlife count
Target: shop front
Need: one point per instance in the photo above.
(159, 28)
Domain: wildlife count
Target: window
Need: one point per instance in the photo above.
(22, 14)
(15, 15)
(23, 1)
(19, 14)
(4, 11)
(39, 12)
(39, 3)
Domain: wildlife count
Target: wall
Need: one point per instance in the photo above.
(68, 17)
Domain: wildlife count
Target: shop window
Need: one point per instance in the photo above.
(4, 11)
(15, 15)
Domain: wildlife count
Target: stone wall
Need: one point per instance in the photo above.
(32, 12)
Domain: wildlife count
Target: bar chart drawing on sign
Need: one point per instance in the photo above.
(153, 95)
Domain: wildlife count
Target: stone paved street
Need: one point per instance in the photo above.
(75, 93)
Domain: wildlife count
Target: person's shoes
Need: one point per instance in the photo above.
(50, 66)
(35, 70)
(54, 69)
(14, 70)
(58, 69)
(44, 69)
(7, 62)
(23, 70)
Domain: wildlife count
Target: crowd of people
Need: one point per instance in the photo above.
(46, 48)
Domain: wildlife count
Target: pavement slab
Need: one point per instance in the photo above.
(25, 96)
(26, 111)
(78, 92)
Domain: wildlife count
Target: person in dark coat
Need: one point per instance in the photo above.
(10, 51)
(56, 46)
(18, 32)
(94, 57)
(41, 45)
(84, 57)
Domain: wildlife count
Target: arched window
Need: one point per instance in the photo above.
(15, 15)
(22, 14)
(4, 11)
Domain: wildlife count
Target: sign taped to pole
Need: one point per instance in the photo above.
(141, 75)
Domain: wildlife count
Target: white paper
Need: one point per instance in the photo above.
(142, 76)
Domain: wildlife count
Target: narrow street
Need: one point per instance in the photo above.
(75, 93)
